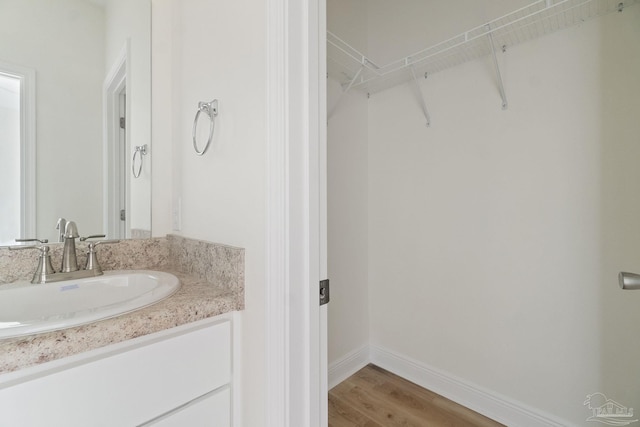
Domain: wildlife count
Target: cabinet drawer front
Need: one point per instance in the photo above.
(212, 410)
(126, 388)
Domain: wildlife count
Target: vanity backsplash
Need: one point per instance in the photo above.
(214, 263)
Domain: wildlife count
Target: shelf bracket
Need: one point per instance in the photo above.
(423, 104)
(353, 80)
(503, 95)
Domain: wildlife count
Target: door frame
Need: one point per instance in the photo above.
(121, 145)
(114, 84)
(295, 352)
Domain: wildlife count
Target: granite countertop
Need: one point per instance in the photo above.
(196, 299)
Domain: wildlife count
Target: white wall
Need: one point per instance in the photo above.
(348, 312)
(203, 50)
(348, 20)
(69, 101)
(495, 237)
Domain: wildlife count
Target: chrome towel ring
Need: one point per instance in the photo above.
(211, 110)
(139, 151)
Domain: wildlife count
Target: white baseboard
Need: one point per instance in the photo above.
(343, 368)
(485, 402)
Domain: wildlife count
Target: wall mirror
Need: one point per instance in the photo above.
(75, 117)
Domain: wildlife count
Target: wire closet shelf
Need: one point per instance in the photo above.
(354, 70)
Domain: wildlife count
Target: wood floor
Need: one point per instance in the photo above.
(373, 397)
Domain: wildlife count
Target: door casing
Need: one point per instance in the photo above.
(115, 161)
(296, 140)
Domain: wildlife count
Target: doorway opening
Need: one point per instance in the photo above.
(17, 153)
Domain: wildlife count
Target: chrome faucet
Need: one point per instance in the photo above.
(45, 272)
(69, 258)
(60, 226)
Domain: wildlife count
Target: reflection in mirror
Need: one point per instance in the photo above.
(9, 153)
(90, 65)
(17, 147)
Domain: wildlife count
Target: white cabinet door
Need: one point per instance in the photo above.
(211, 410)
(125, 387)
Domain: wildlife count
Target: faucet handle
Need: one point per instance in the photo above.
(43, 244)
(93, 236)
(43, 241)
(45, 268)
(94, 244)
(92, 257)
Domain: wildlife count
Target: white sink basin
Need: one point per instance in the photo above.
(27, 309)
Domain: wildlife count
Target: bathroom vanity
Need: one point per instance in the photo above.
(168, 364)
(177, 377)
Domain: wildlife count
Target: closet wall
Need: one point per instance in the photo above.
(347, 180)
(347, 200)
(495, 237)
